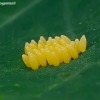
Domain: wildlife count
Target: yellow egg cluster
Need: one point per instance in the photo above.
(53, 51)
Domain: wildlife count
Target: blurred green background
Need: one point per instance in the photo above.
(27, 20)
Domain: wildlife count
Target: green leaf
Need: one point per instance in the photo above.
(78, 80)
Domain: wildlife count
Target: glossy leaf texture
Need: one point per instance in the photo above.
(78, 80)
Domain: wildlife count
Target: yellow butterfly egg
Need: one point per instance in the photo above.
(66, 57)
(33, 61)
(40, 46)
(26, 45)
(49, 43)
(72, 51)
(57, 39)
(41, 42)
(66, 39)
(54, 42)
(49, 57)
(55, 59)
(50, 39)
(26, 60)
(33, 41)
(76, 44)
(82, 44)
(43, 39)
(62, 42)
(33, 46)
(72, 44)
(35, 53)
(43, 52)
(58, 51)
(28, 49)
(40, 58)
